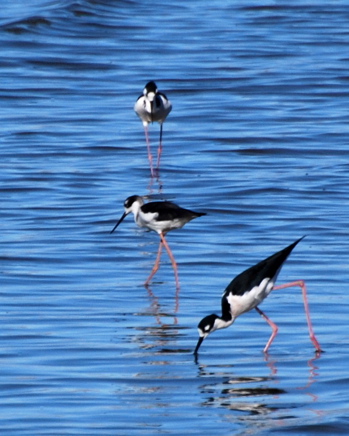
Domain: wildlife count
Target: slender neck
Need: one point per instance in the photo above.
(136, 207)
(223, 323)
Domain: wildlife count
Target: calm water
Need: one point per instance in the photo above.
(257, 138)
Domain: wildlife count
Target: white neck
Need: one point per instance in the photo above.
(135, 208)
(222, 324)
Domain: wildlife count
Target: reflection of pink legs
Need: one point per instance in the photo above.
(150, 157)
(274, 327)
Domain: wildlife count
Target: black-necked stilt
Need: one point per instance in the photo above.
(160, 216)
(152, 106)
(250, 288)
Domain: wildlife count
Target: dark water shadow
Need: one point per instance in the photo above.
(164, 333)
(223, 387)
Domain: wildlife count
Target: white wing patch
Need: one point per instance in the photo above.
(149, 220)
(146, 218)
(240, 304)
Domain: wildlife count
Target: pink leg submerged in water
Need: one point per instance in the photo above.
(156, 266)
(274, 327)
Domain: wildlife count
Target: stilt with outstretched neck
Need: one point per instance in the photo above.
(248, 290)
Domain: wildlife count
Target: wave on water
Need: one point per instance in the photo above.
(43, 14)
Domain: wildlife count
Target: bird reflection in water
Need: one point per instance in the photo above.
(229, 388)
(165, 332)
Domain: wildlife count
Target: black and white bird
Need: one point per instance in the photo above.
(247, 290)
(161, 217)
(152, 106)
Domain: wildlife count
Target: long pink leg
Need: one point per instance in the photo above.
(150, 157)
(159, 149)
(301, 283)
(156, 265)
(174, 264)
(273, 326)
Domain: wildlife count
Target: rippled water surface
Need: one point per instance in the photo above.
(257, 138)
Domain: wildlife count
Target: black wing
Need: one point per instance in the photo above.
(269, 267)
(161, 94)
(168, 211)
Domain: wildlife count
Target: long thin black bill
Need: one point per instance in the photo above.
(120, 220)
(201, 338)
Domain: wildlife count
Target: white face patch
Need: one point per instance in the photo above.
(205, 331)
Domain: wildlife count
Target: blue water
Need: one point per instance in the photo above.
(257, 139)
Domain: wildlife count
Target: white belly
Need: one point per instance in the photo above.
(149, 220)
(240, 304)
